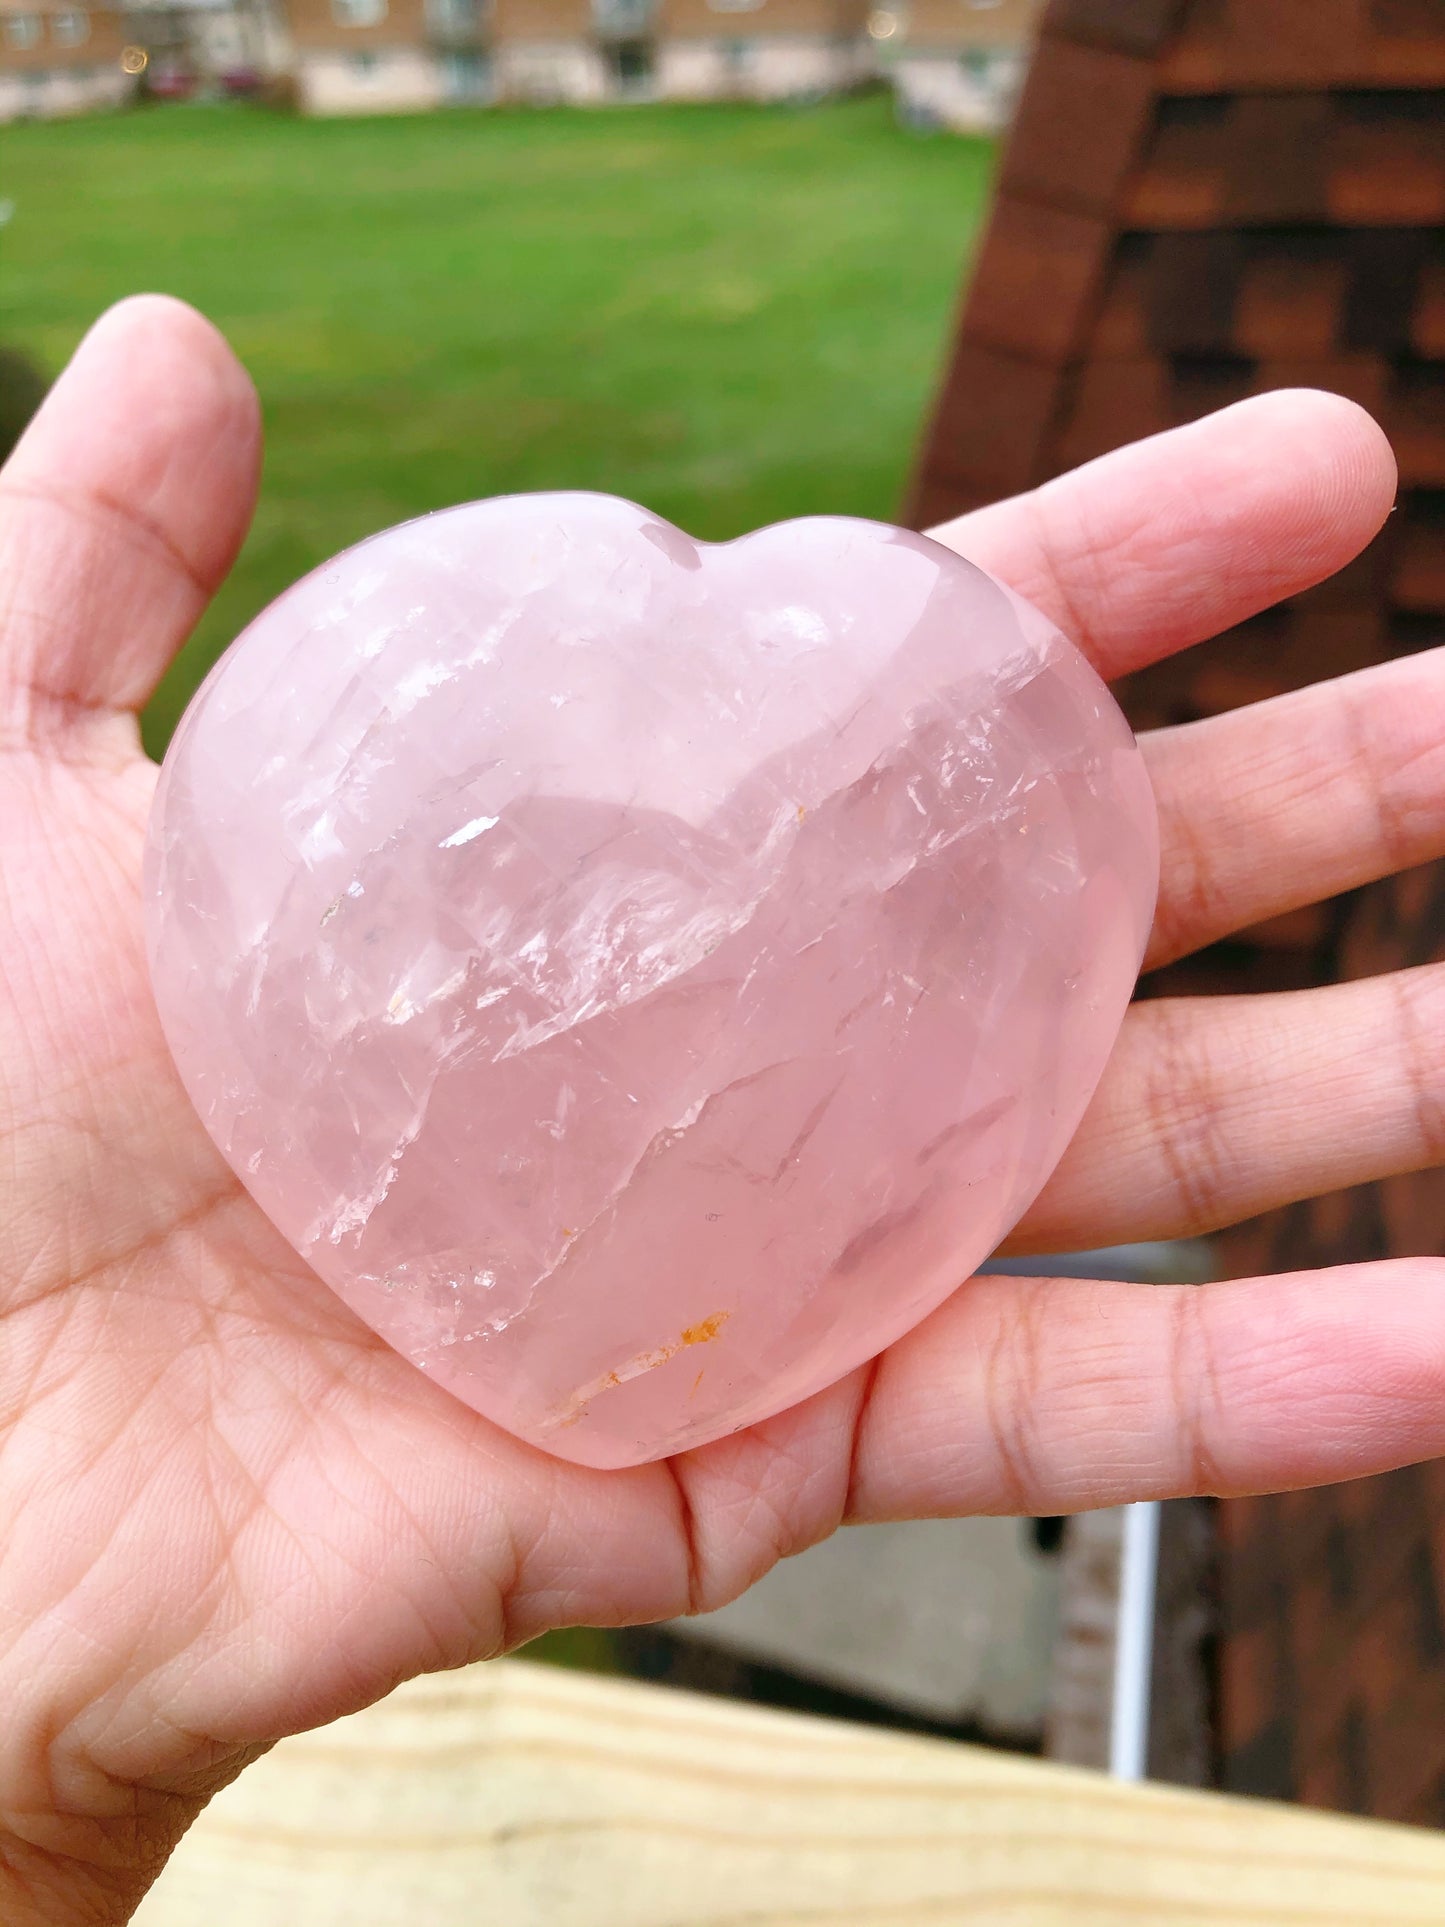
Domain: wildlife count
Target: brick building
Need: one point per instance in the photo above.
(1203, 199)
(583, 51)
(214, 45)
(371, 56)
(761, 49)
(953, 62)
(378, 56)
(360, 56)
(61, 58)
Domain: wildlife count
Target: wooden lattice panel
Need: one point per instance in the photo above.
(1203, 200)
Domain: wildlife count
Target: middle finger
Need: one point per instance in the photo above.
(1283, 803)
(1215, 1108)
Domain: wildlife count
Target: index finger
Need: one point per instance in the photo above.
(1170, 540)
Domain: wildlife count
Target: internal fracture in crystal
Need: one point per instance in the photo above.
(643, 977)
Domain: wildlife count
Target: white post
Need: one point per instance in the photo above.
(1134, 1642)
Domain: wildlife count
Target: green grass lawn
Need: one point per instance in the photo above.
(732, 314)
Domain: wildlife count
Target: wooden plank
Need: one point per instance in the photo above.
(1121, 329)
(991, 420)
(1079, 125)
(1183, 178)
(1193, 288)
(1427, 330)
(1279, 147)
(1037, 279)
(1294, 43)
(1355, 160)
(1114, 402)
(1292, 297)
(1142, 27)
(515, 1795)
(1274, 46)
(1388, 162)
(1413, 416)
(1418, 579)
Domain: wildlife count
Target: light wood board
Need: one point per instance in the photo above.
(513, 1795)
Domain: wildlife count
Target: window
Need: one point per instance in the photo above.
(358, 13)
(622, 19)
(735, 6)
(71, 28)
(468, 76)
(22, 29)
(454, 18)
(630, 62)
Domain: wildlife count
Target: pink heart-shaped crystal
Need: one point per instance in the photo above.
(645, 977)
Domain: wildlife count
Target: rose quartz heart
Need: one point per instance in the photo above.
(644, 978)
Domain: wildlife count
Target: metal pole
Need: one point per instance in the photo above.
(1134, 1642)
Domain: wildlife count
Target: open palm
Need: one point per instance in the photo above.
(227, 1511)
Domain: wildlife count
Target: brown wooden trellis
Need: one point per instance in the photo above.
(1200, 200)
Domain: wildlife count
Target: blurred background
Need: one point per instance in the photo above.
(706, 253)
(730, 310)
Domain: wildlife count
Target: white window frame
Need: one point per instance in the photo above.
(70, 27)
(22, 30)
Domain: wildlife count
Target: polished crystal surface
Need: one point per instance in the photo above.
(645, 977)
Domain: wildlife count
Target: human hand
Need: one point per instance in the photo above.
(228, 1511)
